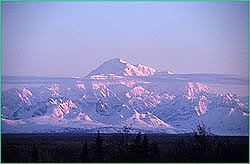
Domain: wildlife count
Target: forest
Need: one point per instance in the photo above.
(124, 147)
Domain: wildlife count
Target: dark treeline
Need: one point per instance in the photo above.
(126, 147)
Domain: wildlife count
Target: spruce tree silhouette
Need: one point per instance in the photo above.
(34, 154)
(201, 136)
(137, 140)
(85, 153)
(137, 154)
(99, 152)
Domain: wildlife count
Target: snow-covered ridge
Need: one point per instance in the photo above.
(119, 102)
(118, 94)
(119, 67)
(25, 95)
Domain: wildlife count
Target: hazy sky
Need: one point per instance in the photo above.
(73, 38)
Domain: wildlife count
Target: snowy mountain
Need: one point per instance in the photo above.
(117, 95)
(120, 67)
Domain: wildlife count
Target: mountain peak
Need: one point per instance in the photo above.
(121, 67)
(116, 60)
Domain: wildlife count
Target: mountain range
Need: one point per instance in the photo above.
(118, 96)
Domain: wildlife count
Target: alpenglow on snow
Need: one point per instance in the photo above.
(118, 94)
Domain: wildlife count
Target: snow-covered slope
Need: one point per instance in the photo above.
(120, 67)
(108, 102)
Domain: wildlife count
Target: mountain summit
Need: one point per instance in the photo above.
(120, 67)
